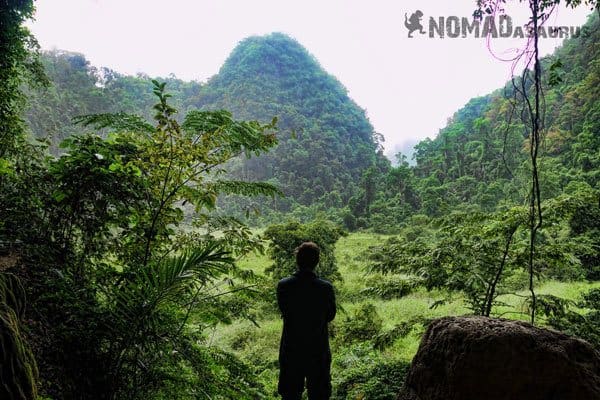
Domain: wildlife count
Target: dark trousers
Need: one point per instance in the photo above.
(294, 371)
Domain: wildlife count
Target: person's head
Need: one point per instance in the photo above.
(307, 256)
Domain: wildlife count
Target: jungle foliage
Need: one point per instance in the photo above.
(121, 228)
(329, 163)
(113, 280)
(285, 238)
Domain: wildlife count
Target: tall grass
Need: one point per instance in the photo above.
(259, 345)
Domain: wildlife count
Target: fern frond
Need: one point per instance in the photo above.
(198, 121)
(386, 339)
(236, 136)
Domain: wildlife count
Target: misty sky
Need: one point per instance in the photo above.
(409, 87)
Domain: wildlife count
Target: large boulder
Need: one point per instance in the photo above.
(478, 358)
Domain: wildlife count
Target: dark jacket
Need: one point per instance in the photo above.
(307, 304)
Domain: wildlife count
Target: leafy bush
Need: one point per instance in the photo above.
(285, 238)
(361, 373)
(111, 285)
(363, 325)
(585, 225)
(585, 323)
(388, 288)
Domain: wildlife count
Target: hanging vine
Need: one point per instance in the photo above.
(535, 208)
(528, 91)
(531, 114)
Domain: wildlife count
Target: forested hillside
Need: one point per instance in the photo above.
(473, 187)
(479, 157)
(325, 139)
(78, 88)
(328, 160)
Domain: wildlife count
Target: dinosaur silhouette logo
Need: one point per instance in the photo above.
(414, 23)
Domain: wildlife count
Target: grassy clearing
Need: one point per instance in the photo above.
(260, 345)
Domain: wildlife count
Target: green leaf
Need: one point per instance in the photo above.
(114, 167)
(59, 195)
(5, 167)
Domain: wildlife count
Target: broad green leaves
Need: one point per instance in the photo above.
(474, 253)
(124, 250)
(284, 239)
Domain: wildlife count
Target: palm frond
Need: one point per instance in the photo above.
(166, 281)
(207, 121)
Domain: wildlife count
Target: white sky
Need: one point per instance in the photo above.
(409, 87)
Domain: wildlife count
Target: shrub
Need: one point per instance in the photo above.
(364, 324)
(388, 288)
(362, 373)
(285, 238)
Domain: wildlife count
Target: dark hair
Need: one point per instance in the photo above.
(307, 255)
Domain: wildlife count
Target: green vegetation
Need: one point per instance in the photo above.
(19, 66)
(19, 370)
(78, 89)
(284, 239)
(326, 141)
(127, 267)
(109, 272)
(371, 333)
(328, 162)
(460, 240)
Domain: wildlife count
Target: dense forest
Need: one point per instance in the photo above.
(145, 221)
(325, 139)
(329, 159)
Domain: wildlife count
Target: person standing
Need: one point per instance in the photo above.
(307, 304)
